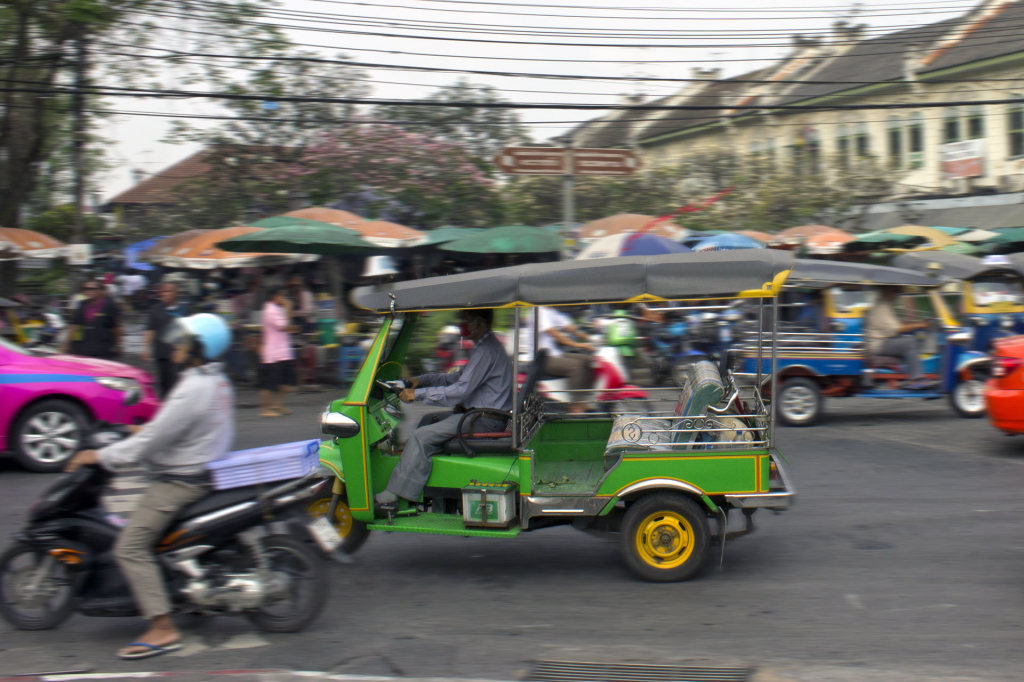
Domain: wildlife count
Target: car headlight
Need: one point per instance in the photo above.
(119, 383)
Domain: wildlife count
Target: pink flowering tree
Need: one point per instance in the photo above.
(384, 170)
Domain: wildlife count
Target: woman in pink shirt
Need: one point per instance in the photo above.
(277, 360)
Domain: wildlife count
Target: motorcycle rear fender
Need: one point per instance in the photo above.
(972, 359)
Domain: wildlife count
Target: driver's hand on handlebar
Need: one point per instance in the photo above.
(411, 382)
(407, 395)
(81, 458)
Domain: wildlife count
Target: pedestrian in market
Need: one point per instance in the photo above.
(161, 314)
(95, 328)
(277, 358)
(302, 302)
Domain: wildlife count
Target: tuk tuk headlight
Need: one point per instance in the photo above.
(338, 425)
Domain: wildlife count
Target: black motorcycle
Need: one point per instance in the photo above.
(235, 551)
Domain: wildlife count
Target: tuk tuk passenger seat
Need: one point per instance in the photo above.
(702, 388)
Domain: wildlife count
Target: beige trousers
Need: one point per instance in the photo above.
(134, 550)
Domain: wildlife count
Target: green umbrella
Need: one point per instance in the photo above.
(962, 247)
(508, 239)
(448, 233)
(879, 239)
(322, 238)
(952, 231)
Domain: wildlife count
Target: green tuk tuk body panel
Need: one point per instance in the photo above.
(719, 473)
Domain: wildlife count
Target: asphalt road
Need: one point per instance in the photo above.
(903, 560)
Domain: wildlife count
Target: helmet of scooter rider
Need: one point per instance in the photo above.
(210, 334)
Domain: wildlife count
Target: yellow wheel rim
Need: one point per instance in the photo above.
(342, 516)
(664, 540)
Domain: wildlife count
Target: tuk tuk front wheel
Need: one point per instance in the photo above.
(968, 398)
(665, 537)
(800, 402)
(353, 533)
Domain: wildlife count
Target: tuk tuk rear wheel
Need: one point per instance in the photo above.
(968, 398)
(665, 537)
(800, 402)
(353, 533)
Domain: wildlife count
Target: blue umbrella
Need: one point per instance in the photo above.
(728, 241)
(630, 244)
(132, 251)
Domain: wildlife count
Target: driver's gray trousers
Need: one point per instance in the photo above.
(907, 347)
(413, 469)
(135, 548)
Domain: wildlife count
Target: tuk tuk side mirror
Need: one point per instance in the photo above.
(132, 396)
(338, 425)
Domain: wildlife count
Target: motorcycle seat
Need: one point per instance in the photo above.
(219, 499)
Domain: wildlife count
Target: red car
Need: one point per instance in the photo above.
(1004, 392)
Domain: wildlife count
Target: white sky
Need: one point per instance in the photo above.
(736, 36)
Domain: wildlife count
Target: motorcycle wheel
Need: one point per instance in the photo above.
(353, 533)
(304, 586)
(20, 567)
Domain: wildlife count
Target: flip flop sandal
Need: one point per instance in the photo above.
(148, 650)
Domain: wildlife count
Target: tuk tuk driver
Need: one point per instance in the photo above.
(886, 334)
(484, 382)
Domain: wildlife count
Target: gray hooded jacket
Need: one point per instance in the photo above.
(195, 425)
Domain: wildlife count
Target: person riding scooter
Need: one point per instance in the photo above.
(194, 426)
(559, 337)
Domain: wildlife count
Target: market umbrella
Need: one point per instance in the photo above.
(758, 235)
(952, 231)
(447, 233)
(630, 244)
(326, 215)
(793, 236)
(1008, 241)
(388, 235)
(934, 237)
(32, 244)
(977, 236)
(132, 252)
(286, 221)
(628, 222)
(882, 239)
(507, 239)
(301, 237)
(200, 251)
(962, 247)
(827, 243)
(727, 241)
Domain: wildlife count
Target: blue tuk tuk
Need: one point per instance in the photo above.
(820, 345)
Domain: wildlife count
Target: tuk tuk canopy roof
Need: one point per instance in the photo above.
(825, 273)
(958, 265)
(750, 273)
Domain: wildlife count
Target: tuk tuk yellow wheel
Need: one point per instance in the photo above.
(353, 533)
(665, 537)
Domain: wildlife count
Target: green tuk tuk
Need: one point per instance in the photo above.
(658, 477)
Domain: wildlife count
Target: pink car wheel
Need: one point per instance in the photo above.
(47, 433)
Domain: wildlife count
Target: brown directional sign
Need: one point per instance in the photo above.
(555, 161)
(604, 161)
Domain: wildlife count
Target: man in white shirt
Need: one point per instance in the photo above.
(556, 333)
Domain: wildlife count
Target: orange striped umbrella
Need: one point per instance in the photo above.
(31, 243)
(197, 250)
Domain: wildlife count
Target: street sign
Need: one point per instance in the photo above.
(604, 161)
(554, 161)
(531, 160)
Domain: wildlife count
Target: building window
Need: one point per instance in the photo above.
(843, 146)
(862, 141)
(1015, 129)
(915, 140)
(894, 139)
(975, 123)
(951, 126)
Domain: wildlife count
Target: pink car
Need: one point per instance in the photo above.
(47, 402)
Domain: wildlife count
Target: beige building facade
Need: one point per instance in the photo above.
(938, 108)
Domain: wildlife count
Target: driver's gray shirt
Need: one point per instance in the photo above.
(485, 381)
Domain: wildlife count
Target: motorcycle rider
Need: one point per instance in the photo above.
(562, 340)
(194, 426)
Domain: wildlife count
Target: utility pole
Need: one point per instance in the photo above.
(78, 146)
(568, 188)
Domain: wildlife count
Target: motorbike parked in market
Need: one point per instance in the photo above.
(232, 552)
